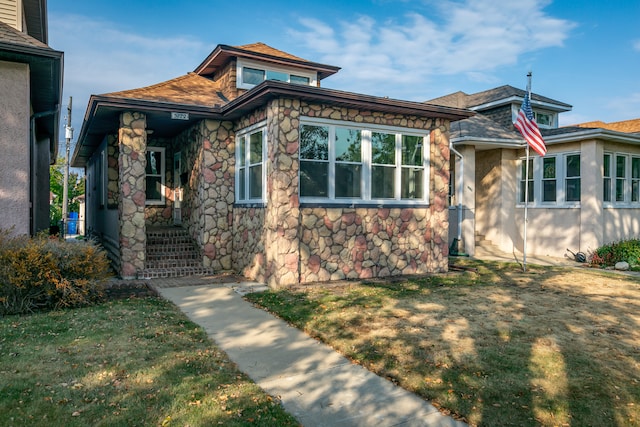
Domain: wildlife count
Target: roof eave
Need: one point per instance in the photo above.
(272, 88)
(98, 103)
(593, 134)
(223, 52)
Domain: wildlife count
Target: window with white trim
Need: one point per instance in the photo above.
(527, 188)
(155, 176)
(549, 179)
(348, 162)
(621, 178)
(572, 178)
(606, 179)
(250, 173)
(553, 180)
(252, 73)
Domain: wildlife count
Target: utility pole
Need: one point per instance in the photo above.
(65, 191)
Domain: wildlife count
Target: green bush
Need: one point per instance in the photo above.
(624, 250)
(41, 273)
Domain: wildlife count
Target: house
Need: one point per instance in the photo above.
(585, 192)
(31, 88)
(266, 173)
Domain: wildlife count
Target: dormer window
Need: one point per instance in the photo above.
(544, 120)
(252, 73)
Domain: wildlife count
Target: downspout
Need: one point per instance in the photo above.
(457, 246)
(32, 163)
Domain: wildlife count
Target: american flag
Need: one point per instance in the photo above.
(527, 126)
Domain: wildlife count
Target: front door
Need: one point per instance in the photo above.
(177, 189)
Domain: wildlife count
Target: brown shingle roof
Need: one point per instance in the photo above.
(268, 50)
(463, 100)
(190, 89)
(259, 52)
(626, 126)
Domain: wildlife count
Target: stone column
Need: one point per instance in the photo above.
(217, 193)
(132, 163)
(438, 199)
(282, 214)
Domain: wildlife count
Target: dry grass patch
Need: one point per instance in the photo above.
(137, 362)
(549, 347)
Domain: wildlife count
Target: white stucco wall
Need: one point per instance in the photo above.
(14, 143)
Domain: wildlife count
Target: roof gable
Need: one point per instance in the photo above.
(222, 54)
(501, 95)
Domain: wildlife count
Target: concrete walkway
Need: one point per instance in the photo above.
(315, 384)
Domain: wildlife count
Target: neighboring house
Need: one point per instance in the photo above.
(271, 176)
(30, 88)
(583, 193)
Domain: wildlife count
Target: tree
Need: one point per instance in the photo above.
(56, 183)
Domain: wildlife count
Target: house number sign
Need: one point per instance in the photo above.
(180, 116)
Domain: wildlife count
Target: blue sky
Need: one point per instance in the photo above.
(582, 52)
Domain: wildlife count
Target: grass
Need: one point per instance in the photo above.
(548, 347)
(136, 362)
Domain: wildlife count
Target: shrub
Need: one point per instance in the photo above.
(41, 273)
(624, 250)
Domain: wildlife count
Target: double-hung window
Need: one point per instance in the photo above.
(154, 182)
(621, 177)
(526, 187)
(572, 178)
(549, 179)
(250, 176)
(606, 178)
(348, 163)
(635, 179)
(351, 163)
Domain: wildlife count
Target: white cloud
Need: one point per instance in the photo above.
(101, 58)
(624, 108)
(473, 37)
(636, 45)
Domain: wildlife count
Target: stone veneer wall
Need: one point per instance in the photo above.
(249, 243)
(208, 151)
(310, 244)
(361, 243)
(113, 189)
(227, 77)
(132, 163)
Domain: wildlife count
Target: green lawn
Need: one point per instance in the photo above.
(136, 362)
(548, 347)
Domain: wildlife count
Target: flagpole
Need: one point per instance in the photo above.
(526, 190)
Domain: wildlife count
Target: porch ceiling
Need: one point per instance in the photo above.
(103, 118)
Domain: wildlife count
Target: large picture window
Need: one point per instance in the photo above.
(154, 184)
(346, 162)
(250, 149)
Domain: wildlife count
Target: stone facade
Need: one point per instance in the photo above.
(132, 163)
(283, 243)
(208, 152)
